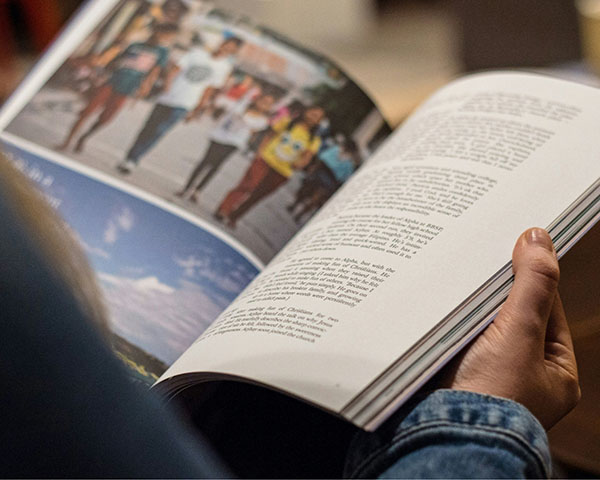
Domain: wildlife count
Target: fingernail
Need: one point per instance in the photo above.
(540, 238)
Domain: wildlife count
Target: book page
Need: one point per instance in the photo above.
(433, 215)
(185, 145)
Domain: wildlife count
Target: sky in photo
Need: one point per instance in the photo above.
(165, 279)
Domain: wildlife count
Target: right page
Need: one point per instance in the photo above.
(431, 218)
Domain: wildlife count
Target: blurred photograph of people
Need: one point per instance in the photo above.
(232, 133)
(290, 147)
(189, 87)
(151, 14)
(134, 71)
(236, 92)
(332, 167)
(204, 110)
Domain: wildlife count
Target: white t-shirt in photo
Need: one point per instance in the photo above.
(199, 70)
(236, 128)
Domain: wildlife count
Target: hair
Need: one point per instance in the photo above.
(237, 40)
(262, 94)
(183, 8)
(165, 28)
(350, 146)
(312, 107)
(196, 40)
(56, 241)
(300, 119)
(296, 107)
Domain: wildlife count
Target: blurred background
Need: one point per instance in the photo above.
(400, 51)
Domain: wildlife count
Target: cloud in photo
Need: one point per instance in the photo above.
(191, 264)
(162, 320)
(96, 251)
(86, 247)
(129, 270)
(226, 277)
(165, 279)
(122, 221)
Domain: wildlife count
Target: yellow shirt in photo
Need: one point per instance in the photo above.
(287, 146)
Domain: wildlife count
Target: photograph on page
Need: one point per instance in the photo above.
(164, 279)
(219, 116)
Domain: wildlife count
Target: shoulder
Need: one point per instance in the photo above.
(133, 47)
(198, 55)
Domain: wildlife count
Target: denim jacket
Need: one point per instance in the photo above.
(452, 434)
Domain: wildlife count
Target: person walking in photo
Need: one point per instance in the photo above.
(334, 165)
(290, 147)
(189, 87)
(152, 13)
(232, 133)
(228, 98)
(134, 71)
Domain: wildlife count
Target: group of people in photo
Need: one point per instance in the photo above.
(279, 134)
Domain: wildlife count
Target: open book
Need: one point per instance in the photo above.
(188, 149)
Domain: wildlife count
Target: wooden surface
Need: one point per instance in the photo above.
(576, 439)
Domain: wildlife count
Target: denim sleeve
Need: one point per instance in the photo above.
(454, 434)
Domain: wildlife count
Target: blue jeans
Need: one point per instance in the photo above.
(160, 121)
(68, 408)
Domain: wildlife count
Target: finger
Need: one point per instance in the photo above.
(558, 330)
(559, 343)
(527, 309)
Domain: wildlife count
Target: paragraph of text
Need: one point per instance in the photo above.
(344, 281)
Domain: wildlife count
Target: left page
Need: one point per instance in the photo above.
(185, 146)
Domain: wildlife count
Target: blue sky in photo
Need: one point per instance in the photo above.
(165, 279)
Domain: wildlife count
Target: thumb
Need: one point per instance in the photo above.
(527, 309)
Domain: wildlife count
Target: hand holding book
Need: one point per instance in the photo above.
(526, 354)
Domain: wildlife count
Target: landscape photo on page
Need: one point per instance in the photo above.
(164, 279)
